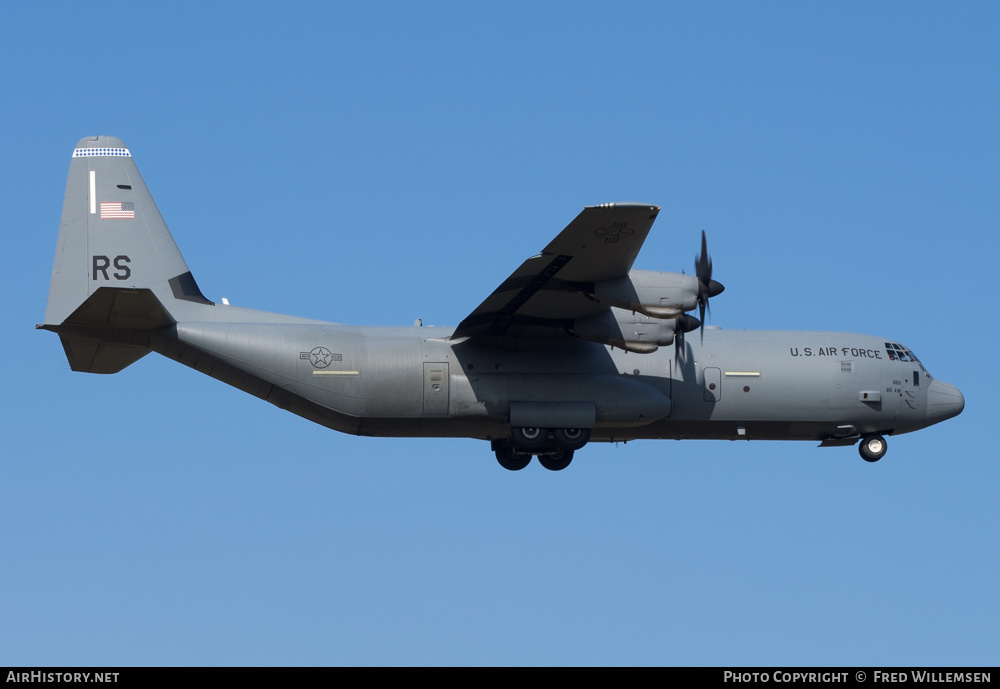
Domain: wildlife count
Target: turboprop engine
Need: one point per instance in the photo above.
(661, 296)
(649, 292)
(631, 332)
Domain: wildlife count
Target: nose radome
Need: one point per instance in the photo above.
(943, 401)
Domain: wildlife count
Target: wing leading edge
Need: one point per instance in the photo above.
(551, 289)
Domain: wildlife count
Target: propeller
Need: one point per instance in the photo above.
(707, 287)
(685, 324)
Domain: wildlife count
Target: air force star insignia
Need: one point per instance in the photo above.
(319, 357)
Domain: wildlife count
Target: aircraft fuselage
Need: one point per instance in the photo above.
(414, 381)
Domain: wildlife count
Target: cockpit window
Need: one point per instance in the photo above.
(898, 352)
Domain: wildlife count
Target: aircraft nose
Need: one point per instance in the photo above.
(943, 401)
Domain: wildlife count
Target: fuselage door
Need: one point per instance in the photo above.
(436, 389)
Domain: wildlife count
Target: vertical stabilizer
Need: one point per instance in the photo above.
(112, 234)
(118, 275)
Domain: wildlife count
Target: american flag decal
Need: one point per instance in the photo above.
(117, 210)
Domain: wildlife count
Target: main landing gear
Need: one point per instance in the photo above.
(872, 448)
(512, 459)
(553, 447)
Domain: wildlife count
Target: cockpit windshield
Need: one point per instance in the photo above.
(898, 352)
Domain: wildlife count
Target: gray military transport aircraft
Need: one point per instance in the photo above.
(573, 347)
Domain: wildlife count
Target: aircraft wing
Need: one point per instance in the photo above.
(550, 290)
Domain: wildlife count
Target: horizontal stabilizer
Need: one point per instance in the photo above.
(119, 309)
(111, 329)
(93, 356)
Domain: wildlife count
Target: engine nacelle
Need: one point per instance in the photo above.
(634, 333)
(656, 294)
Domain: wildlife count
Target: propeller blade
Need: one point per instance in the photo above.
(706, 285)
(685, 324)
(701, 314)
(703, 262)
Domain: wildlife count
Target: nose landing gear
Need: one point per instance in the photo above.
(872, 448)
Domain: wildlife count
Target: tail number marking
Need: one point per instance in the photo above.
(103, 263)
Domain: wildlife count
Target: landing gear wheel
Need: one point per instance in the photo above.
(557, 460)
(512, 460)
(872, 448)
(571, 438)
(529, 439)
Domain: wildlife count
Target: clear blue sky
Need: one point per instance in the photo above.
(372, 163)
